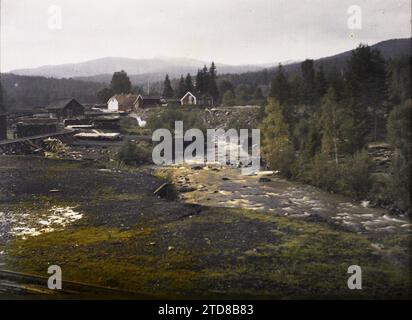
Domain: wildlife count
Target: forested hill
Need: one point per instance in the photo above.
(390, 49)
(27, 92)
(24, 92)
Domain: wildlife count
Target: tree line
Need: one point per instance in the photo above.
(317, 126)
(204, 85)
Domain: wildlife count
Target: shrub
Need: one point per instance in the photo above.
(166, 119)
(323, 172)
(132, 154)
(355, 178)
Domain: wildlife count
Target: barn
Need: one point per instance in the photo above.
(148, 102)
(65, 109)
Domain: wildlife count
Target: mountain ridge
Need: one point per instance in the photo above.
(154, 69)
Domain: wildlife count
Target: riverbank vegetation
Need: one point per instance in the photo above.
(317, 127)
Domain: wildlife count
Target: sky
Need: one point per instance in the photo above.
(226, 31)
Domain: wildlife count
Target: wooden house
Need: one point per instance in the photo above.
(65, 109)
(148, 102)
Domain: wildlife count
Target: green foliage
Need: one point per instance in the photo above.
(167, 88)
(120, 83)
(166, 119)
(277, 147)
(400, 137)
(321, 84)
(351, 177)
(23, 92)
(322, 172)
(225, 86)
(104, 95)
(367, 83)
(181, 89)
(229, 99)
(309, 85)
(132, 154)
(206, 82)
(355, 175)
(280, 88)
(189, 83)
(2, 106)
(213, 91)
(399, 77)
(243, 95)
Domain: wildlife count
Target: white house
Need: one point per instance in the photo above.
(188, 99)
(121, 102)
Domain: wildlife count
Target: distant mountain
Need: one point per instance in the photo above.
(101, 69)
(24, 92)
(389, 49)
(143, 70)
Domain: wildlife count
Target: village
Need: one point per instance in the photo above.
(71, 114)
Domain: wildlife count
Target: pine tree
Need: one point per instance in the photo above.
(321, 84)
(182, 89)
(367, 80)
(308, 76)
(280, 88)
(212, 86)
(399, 135)
(200, 83)
(189, 83)
(167, 88)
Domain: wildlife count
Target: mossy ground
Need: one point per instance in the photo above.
(216, 253)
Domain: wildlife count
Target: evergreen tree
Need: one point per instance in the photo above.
(308, 76)
(399, 135)
(104, 95)
(2, 104)
(295, 89)
(167, 88)
(206, 81)
(189, 83)
(182, 89)
(321, 84)
(280, 88)
(120, 83)
(367, 80)
(242, 95)
(212, 86)
(258, 95)
(226, 85)
(200, 83)
(276, 144)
